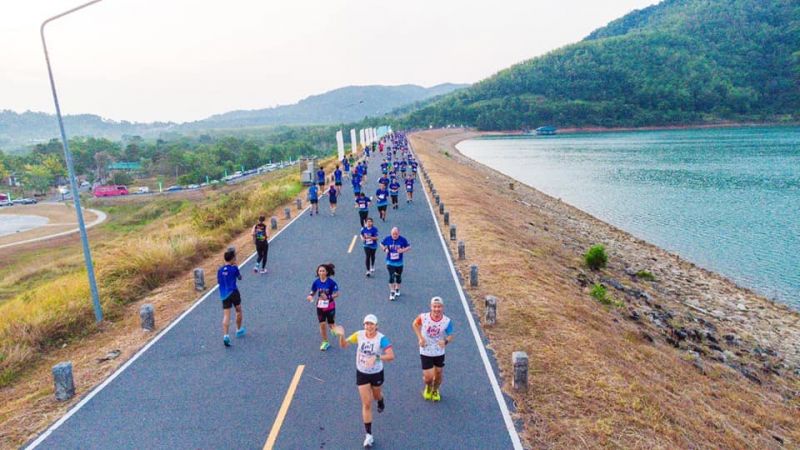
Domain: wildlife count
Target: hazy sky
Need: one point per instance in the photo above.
(181, 60)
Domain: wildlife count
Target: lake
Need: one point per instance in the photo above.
(725, 199)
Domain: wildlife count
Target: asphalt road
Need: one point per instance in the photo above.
(188, 391)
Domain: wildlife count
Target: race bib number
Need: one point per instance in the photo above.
(322, 303)
(394, 256)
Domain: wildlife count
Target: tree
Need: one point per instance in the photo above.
(38, 178)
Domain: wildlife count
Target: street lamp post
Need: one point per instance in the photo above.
(76, 198)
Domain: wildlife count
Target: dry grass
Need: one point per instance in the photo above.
(595, 381)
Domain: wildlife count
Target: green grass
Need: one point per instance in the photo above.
(645, 275)
(135, 216)
(600, 293)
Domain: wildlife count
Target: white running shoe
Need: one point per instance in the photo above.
(255, 268)
(391, 296)
(368, 273)
(368, 441)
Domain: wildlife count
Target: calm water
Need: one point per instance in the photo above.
(728, 200)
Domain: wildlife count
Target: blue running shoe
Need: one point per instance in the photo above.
(240, 332)
(226, 340)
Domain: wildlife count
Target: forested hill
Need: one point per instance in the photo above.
(678, 62)
(347, 104)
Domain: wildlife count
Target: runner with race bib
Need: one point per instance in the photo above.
(434, 332)
(324, 292)
(395, 246)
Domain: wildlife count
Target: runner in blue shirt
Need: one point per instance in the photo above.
(229, 294)
(395, 246)
(346, 165)
(356, 181)
(332, 197)
(369, 234)
(383, 180)
(394, 192)
(337, 177)
(414, 168)
(326, 291)
(313, 197)
(382, 201)
(384, 167)
(321, 177)
(362, 203)
(409, 189)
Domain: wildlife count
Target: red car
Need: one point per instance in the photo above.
(110, 191)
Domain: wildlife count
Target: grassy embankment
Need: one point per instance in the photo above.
(44, 295)
(602, 374)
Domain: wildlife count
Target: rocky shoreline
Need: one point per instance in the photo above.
(689, 307)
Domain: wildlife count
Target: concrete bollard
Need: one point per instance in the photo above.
(273, 222)
(491, 310)
(287, 213)
(452, 232)
(299, 204)
(436, 198)
(441, 208)
(520, 362)
(462, 251)
(199, 280)
(434, 193)
(62, 378)
(473, 275)
(148, 317)
(446, 218)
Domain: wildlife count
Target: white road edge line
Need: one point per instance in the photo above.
(122, 368)
(498, 393)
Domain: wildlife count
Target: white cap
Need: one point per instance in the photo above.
(437, 301)
(371, 319)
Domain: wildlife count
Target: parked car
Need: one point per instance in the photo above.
(175, 188)
(193, 186)
(143, 190)
(5, 203)
(110, 191)
(24, 201)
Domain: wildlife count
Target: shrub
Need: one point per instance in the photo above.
(645, 275)
(600, 293)
(596, 257)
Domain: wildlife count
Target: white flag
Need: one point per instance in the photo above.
(340, 144)
(353, 144)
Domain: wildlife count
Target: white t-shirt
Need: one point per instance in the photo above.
(434, 331)
(368, 348)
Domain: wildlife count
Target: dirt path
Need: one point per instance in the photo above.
(689, 360)
(61, 222)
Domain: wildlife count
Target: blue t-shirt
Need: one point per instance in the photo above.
(410, 185)
(394, 187)
(337, 176)
(383, 180)
(393, 257)
(226, 277)
(321, 176)
(327, 287)
(382, 197)
(372, 237)
(313, 193)
(346, 164)
(363, 203)
(332, 193)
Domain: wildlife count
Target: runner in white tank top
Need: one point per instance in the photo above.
(434, 331)
(373, 348)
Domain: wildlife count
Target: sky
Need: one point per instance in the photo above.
(184, 60)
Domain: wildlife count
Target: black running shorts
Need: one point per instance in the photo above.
(326, 316)
(374, 379)
(233, 300)
(429, 362)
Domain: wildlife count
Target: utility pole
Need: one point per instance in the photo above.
(76, 198)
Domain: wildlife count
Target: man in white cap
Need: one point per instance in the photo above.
(434, 331)
(373, 349)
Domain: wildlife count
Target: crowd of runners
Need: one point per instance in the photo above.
(433, 330)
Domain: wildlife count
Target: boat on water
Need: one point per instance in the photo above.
(547, 130)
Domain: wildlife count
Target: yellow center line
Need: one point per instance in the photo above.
(352, 244)
(287, 400)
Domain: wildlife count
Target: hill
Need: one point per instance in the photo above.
(678, 62)
(347, 104)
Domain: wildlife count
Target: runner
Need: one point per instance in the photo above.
(394, 246)
(384, 179)
(373, 349)
(362, 203)
(326, 290)
(346, 165)
(382, 200)
(229, 294)
(337, 177)
(409, 189)
(356, 181)
(434, 331)
(313, 197)
(333, 192)
(369, 234)
(321, 177)
(261, 239)
(394, 192)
